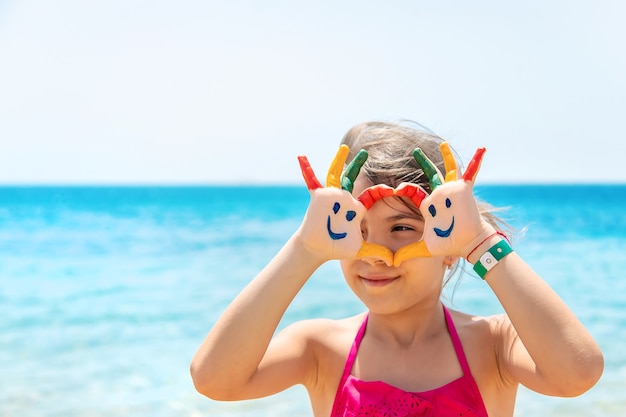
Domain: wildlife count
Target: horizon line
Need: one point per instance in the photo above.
(272, 184)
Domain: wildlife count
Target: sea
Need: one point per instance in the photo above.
(107, 291)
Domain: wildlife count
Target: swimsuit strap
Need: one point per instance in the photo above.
(456, 342)
(460, 354)
(353, 352)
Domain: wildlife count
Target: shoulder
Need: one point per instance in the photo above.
(493, 328)
(499, 341)
(322, 331)
(479, 336)
(326, 342)
(486, 342)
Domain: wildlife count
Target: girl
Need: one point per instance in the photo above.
(408, 354)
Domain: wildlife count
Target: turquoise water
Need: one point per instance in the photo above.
(106, 292)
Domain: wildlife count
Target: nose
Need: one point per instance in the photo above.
(373, 260)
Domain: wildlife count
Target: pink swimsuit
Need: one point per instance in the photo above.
(459, 398)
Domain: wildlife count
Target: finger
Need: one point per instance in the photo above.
(448, 162)
(352, 171)
(414, 250)
(430, 170)
(333, 179)
(310, 179)
(412, 191)
(376, 252)
(372, 194)
(474, 165)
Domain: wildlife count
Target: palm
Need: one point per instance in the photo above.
(332, 225)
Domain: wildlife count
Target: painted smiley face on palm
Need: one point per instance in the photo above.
(443, 209)
(433, 212)
(350, 215)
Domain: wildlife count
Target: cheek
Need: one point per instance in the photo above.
(430, 268)
(349, 270)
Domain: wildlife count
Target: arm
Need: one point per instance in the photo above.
(228, 363)
(238, 358)
(544, 347)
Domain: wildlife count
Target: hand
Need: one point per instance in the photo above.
(332, 224)
(453, 224)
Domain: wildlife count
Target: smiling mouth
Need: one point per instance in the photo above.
(378, 282)
(333, 235)
(445, 233)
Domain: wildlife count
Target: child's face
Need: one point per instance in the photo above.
(384, 288)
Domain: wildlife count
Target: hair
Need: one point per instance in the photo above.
(390, 148)
(390, 161)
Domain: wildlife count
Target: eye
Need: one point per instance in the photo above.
(432, 210)
(350, 215)
(336, 207)
(448, 203)
(401, 228)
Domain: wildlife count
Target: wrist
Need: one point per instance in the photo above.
(491, 257)
(484, 243)
(308, 251)
(481, 244)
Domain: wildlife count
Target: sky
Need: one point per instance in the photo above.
(231, 92)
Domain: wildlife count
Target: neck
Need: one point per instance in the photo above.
(408, 327)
